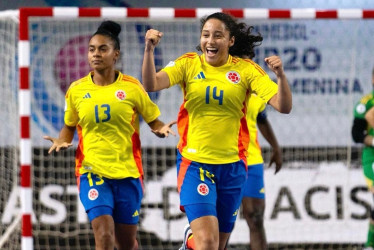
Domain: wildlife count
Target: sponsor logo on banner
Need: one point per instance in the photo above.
(312, 207)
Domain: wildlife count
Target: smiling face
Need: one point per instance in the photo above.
(101, 53)
(215, 42)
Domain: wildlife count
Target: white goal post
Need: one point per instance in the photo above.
(319, 198)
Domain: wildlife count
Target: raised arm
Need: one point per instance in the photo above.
(63, 141)
(267, 131)
(152, 81)
(282, 101)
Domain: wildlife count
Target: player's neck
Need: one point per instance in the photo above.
(104, 77)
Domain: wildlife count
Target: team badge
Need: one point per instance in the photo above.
(93, 194)
(203, 189)
(361, 108)
(121, 95)
(233, 77)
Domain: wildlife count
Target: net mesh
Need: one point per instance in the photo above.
(318, 201)
(9, 226)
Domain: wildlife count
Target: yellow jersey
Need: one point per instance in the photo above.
(255, 106)
(212, 118)
(107, 122)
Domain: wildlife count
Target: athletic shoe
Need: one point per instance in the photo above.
(187, 232)
(368, 248)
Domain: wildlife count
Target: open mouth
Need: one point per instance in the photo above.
(211, 51)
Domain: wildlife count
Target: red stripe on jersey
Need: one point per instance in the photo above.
(235, 60)
(187, 55)
(182, 126)
(182, 172)
(79, 183)
(243, 140)
(79, 156)
(259, 69)
(131, 79)
(136, 152)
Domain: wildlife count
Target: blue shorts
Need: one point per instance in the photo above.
(211, 189)
(255, 187)
(120, 198)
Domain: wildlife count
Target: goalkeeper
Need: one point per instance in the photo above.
(363, 132)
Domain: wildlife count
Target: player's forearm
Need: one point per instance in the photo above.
(67, 134)
(268, 133)
(149, 71)
(284, 95)
(156, 124)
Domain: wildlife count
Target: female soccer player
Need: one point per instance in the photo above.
(104, 108)
(253, 202)
(212, 124)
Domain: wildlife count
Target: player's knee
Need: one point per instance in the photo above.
(105, 237)
(133, 245)
(209, 243)
(206, 239)
(128, 244)
(254, 218)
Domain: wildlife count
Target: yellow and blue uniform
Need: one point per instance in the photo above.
(214, 106)
(107, 121)
(254, 187)
(213, 131)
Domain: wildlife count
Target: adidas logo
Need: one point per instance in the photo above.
(87, 96)
(236, 212)
(136, 213)
(200, 76)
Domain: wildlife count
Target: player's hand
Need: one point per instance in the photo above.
(57, 144)
(276, 158)
(165, 130)
(275, 64)
(152, 38)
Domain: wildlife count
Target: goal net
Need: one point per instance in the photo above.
(9, 134)
(318, 199)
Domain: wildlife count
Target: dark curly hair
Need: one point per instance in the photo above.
(110, 29)
(245, 41)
